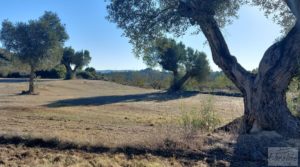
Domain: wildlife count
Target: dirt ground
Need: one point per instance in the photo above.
(142, 125)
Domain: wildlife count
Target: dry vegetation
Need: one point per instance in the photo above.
(97, 123)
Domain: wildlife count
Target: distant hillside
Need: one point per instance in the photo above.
(112, 71)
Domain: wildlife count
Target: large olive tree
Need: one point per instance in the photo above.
(265, 92)
(37, 44)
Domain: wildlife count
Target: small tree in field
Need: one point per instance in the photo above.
(74, 60)
(174, 57)
(38, 43)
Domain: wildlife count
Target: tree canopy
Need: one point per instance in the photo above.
(165, 52)
(145, 20)
(5, 56)
(37, 43)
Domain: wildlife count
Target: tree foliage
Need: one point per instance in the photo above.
(37, 43)
(58, 72)
(146, 20)
(166, 52)
(5, 56)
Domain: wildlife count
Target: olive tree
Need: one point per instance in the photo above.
(169, 55)
(37, 43)
(265, 92)
(184, 63)
(74, 60)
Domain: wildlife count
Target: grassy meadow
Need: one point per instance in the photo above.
(91, 114)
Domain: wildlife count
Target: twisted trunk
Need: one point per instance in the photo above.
(265, 99)
(178, 83)
(264, 93)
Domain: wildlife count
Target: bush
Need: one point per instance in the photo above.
(91, 70)
(60, 71)
(84, 75)
(204, 120)
(55, 73)
(17, 75)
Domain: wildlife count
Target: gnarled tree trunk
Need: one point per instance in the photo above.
(265, 98)
(264, 93)
(179, 82)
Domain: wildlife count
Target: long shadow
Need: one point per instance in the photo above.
(20, 80)
(130, 151)
(222, 93)
(247, 150)
(13, 80)
(102, 100)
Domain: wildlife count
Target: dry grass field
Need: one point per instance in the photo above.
(98, 123)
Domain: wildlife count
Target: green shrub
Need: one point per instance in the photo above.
(56, 73)
(204, 120)
(85, 75)
(91, 70)
(60, 71)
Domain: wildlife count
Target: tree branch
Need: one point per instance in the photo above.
(222, 56)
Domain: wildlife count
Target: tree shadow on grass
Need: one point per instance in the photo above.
(102, 100)
(13, 80)
(22, 80)
(187, 157)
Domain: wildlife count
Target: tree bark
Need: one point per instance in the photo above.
(31, 89)
(265, 101)
(264, 93)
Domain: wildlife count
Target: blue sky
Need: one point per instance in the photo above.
(248, 37)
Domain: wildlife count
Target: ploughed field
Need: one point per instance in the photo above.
(99, 123)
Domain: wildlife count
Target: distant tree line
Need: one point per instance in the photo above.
(147, 78)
